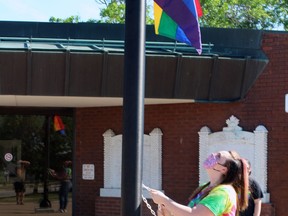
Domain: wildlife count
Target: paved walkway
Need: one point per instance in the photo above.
(29, 209)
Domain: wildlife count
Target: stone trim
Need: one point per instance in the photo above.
(152, 162)
(250, 145)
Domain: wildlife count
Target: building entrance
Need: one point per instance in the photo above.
(31, 146)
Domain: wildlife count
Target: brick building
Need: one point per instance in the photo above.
(262, 104)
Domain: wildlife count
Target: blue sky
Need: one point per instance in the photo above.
(42, 10)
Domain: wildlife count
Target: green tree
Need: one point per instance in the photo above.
(253, 14)
(114, 11)
(31, 130)
(71, 19)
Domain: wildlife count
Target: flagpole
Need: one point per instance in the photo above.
(133, 107)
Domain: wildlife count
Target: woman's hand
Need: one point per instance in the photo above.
(51, 172)
(159, 211)
(162, 211)
(158, 197)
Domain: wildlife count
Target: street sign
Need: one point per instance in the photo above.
(8, 157)
(88, 172)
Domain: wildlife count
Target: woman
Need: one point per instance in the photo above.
(19, 184)
(228, 177)
(254, 197)
(65, 176)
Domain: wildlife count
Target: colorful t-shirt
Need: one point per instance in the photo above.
(221, 201)
(68, 172)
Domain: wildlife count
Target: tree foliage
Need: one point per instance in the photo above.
(114, 11)
(253, 14)
(71, 19)
(31, 131)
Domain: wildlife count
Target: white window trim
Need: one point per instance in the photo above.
(250, 145)
(152, 162)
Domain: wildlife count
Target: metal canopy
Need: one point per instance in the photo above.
(83, 67)
(100, 46)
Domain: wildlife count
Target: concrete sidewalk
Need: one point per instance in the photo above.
(28, 209)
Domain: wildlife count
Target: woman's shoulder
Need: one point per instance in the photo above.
(225, 187)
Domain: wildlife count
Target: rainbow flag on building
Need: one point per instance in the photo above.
(58, 124)
(178, 19)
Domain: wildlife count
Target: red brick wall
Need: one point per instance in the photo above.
(180, 123)
(90, 125)
(112, 207)
(269, 92)
(267, 209)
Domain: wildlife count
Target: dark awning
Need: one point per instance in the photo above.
(73, 67)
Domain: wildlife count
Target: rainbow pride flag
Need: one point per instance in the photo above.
(58, 125)
(178, 19)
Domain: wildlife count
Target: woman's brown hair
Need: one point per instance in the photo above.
(237, 176)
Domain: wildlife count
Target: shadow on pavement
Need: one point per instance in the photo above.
(28, 209)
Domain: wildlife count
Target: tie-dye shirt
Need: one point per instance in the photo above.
(221, 201)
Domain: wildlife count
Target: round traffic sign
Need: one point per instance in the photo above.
(8, 157)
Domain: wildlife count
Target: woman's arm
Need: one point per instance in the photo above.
(177, 209)
(257, 207)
